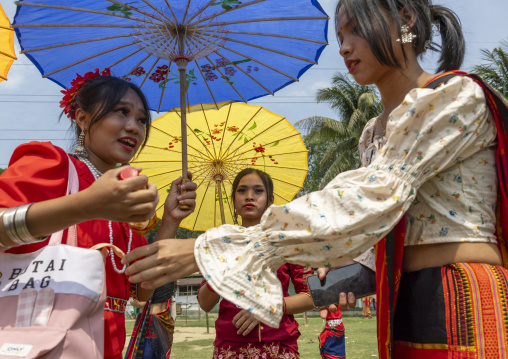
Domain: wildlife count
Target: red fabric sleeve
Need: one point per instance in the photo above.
(37, 171)
(298, 275)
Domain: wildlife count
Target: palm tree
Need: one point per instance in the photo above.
(495, 71)
(356, 105)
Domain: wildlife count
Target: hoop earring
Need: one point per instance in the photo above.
(407, 36)
(80, 151)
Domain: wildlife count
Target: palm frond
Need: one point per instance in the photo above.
(342, 164)
(356, 105)
(495, 69)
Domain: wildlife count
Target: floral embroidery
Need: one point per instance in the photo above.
(269, 350)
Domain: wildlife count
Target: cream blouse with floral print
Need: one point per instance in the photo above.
(436, 164)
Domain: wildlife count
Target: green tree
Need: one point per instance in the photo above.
(180, 233)
(338, 139)
(495, 70)
(316, 172)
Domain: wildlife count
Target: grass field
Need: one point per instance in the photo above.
(360, 338)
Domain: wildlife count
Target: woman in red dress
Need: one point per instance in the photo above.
(112, 120)
(238, 334)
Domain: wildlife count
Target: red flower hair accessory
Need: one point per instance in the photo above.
(68, 102)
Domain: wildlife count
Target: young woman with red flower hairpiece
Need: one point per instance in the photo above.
(112, 120)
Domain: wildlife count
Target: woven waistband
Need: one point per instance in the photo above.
(115, 304)
(334, 322)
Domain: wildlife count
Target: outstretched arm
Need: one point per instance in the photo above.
(107, 198)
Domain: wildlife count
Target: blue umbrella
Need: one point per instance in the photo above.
(180, 52)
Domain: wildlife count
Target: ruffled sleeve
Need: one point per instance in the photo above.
(299, 275)
(429, 132)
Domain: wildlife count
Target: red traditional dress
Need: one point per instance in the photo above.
(264, 342)
(38, 171)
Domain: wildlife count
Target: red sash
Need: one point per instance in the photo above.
(389, 251)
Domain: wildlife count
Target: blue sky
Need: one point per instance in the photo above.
(30, 109)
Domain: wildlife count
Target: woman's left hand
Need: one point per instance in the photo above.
(175, 198)
(245, 322)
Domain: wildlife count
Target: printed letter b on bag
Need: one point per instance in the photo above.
(50, 267)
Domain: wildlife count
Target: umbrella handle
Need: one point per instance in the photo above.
(182, 66)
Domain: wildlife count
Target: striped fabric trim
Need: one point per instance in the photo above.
(476, 309)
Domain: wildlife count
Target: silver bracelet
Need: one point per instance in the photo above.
(20, 223)
(15, 225)
(3, 247)
(10, 229)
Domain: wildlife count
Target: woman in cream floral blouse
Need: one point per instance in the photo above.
(429, 156)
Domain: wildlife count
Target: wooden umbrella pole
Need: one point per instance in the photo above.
(218, 182)
(182, 67)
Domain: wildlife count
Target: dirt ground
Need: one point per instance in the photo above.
(188, 334)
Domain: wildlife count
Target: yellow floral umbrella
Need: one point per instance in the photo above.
(223, 139)
(7, 55)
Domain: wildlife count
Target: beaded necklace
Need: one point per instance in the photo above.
(96, 174)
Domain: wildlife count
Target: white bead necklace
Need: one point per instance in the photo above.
(112, 255)
(96, 173)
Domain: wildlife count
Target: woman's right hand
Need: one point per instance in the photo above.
(244, 322)
(129, 200)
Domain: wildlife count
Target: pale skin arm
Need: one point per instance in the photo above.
(108, 198)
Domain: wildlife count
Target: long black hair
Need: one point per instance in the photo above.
(99, 95)
(371, 19)
(267, 183)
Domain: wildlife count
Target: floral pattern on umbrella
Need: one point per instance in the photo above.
(236, 50)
